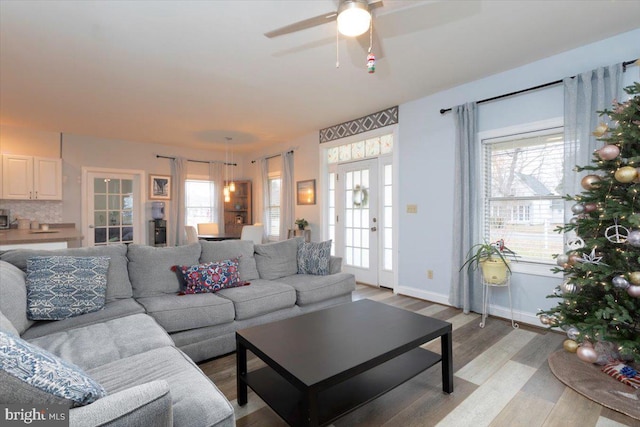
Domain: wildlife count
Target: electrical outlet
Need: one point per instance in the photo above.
(412, 208)
(429, 274)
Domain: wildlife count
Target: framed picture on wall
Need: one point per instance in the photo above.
(159, 187)
(306, 192)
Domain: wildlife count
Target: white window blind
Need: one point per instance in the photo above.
(274, 207)
(199, 206)
(523, 193)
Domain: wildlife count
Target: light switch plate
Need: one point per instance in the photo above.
(412, 208)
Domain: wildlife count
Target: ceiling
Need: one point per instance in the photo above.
(194, 72)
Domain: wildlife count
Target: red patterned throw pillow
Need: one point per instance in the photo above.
(209, 277)
(623, 373)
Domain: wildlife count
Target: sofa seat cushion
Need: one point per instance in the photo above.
(263, 296)
(113, 310)
(196, 400)
(150, 269)
(183, 312)
(30, 374)
(118, 284)
(278, 259)
(102, 343)
(311, 289)
(229, 249)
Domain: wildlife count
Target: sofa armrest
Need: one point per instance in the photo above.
(144, 405)
(335, 264)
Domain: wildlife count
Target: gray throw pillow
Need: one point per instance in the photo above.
(32, 375)
(279, 259)
(13, 296)
(313, 258)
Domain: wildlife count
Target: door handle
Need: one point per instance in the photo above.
(91, 226)
(374, 228)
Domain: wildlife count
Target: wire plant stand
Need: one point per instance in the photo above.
(486, 287)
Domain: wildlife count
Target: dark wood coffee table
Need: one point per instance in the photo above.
(324, 364)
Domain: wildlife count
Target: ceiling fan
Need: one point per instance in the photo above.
(353, 16)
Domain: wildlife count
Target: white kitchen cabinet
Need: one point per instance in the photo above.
(31, 178)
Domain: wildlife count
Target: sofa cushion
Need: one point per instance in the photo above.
(150, 268)
(229, 249)
(311, 289)
(101, 343)
(263, 296)
(59, 287)
(313, 257)
(209, 277)
(7, 326)
(112, 310)
(13, 296)
(279, 259)
(196, 400)
(147, 404)
(118, 284)
(183, 312)
(29, 374)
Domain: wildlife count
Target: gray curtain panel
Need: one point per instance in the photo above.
(216, 174)
(585, 95)
(176, 232)
(466, 287)
(266, 218)
(287, 194)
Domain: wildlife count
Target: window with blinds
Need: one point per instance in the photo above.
(274, 207)
(199, 203)
(523, 193)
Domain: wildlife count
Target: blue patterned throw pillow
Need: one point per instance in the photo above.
(313, 258)
(30, 374)
(59, 287)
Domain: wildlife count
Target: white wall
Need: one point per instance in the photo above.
(427, 163)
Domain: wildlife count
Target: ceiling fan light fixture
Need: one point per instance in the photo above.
(354, 18)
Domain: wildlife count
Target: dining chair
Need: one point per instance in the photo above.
(208, 228)
(252, 232)
(192, 234)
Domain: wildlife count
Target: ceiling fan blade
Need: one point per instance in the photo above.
(303, 25)
(375, 4)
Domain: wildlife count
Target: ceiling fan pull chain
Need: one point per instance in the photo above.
(371, 58)
(370, 36)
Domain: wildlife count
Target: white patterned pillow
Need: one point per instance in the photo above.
(30, 374)
(313, 258)
(59, 287)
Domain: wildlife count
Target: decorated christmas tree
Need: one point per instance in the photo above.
(600, 297)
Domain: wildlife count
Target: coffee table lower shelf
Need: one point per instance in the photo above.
(341, 398)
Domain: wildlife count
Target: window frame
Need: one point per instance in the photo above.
(272, 177)
(212, 207)
(553, 125)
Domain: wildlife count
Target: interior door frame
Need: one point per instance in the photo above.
(323, 179)
(139, 235)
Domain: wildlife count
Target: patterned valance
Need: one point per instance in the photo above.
(363, 124)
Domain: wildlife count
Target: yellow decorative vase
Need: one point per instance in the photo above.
(495, 271)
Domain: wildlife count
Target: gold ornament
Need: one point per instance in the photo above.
(626, 174)
(589, 181)
(634, 277)
(570, 345)
(601, 129)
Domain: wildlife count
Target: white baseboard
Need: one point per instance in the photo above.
(494, 310)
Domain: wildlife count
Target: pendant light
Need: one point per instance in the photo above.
(232, 184)
(225, 190)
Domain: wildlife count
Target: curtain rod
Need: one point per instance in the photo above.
(271, 157)
(557, 82)
(198, 161)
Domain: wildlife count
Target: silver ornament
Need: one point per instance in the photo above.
(562, 259)
(616, 233)
(568, 288)
(575, 243)
(573, 333)
(573, 221)
(620, 282)
(545, 319)
(634, 238)
(577, 208)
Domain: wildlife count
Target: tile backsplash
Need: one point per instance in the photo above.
(43, 211)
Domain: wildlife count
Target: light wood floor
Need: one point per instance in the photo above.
(501, 379)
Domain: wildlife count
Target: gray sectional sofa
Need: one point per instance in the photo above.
(143, 345)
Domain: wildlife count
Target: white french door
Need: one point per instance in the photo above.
(113, 208)
(357, 219)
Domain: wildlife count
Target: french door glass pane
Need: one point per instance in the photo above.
(113, 208)
(357, 218)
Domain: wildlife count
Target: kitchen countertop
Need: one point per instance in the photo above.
(14, 236)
